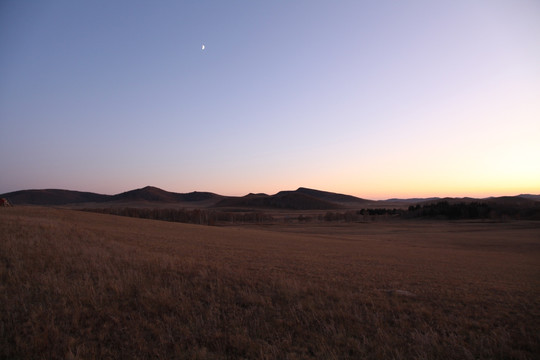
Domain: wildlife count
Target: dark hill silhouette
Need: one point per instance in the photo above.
(282, 200)
(435, 200)
(154, 194)
(199, 196)
(327, 196)
(65, 197)
(412, 200)
(513, 201)
(300, 199)
(148, 193)
(53, 197)
(530, 196)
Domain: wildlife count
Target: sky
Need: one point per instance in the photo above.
(377, 99)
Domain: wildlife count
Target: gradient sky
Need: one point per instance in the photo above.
(376, 99)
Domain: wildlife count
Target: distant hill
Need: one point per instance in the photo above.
(519, 200)
(65, 197)
(53, 197)
(282, 200)
(148, 193)
(450, 200)
(513, 201)
(299, 199)
(530, 196)
(327, 196)
(412, 200)
(154, 194)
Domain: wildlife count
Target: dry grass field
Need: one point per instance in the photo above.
(77, 285)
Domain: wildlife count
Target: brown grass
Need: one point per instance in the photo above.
(91, 286)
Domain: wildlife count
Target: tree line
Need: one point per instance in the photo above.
(188, 216)
(443, 209)
(440, 210)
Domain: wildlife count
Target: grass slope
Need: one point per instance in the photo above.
(78, 285)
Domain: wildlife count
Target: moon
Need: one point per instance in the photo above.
(202, 47)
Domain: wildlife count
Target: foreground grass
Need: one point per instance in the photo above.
(90, 286)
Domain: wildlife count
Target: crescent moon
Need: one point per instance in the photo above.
(202, 47)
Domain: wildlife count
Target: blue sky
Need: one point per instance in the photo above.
(377, 99)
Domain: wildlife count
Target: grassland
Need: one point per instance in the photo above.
(79, 285)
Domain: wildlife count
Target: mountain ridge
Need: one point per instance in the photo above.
(299, 199)
(282, 200)
(66, 197)
(152, 193)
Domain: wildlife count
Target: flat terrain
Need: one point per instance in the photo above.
(80, 285)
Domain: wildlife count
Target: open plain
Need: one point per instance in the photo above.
(80, 285)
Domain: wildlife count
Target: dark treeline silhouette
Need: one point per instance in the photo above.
(475, 210)
(443, 209)
(360, 215)
(193, 216)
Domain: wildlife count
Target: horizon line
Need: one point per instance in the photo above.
(265, 193)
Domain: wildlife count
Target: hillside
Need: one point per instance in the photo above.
(150, 193)
(66, 197)
(300, 199)
(329, 196)
(282, 200)
(53, 197)
(530, 196)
